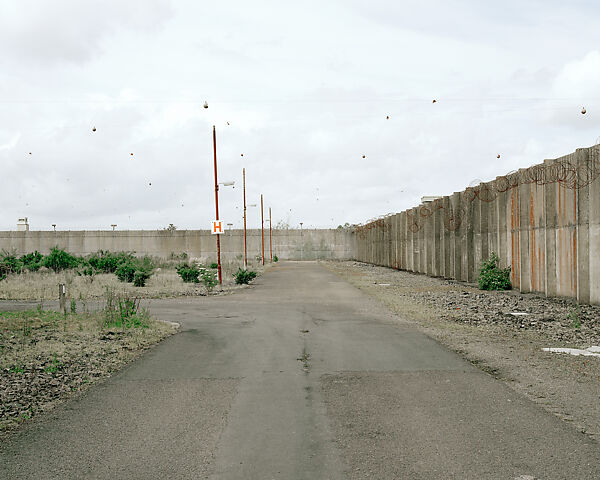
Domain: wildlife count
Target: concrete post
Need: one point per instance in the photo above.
(62, 297)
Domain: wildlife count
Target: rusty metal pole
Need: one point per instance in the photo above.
(245, 246)
(270, 237)
(217, 206)
(262, 228)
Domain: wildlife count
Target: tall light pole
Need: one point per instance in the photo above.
(270, 238)
(245, 247)
(301, 244)
(262, 228)
(217, 206)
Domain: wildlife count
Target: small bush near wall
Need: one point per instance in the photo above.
(209, 278)
(492, 277)
(59, 260)
(188, 273)
(244, 276)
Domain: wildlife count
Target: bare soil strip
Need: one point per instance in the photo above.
(503, 333)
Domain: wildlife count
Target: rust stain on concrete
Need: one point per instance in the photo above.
(532, 251)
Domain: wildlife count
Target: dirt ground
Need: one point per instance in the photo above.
(483, 328)
(46, 357)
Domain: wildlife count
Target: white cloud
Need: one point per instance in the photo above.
(580, 79)
(305, 87)
(12, 143)
(42, 32)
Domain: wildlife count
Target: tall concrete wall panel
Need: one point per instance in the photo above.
(287, 243)
(542, 221)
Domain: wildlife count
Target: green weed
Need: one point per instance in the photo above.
(188, 273)
(209, 278)
(244, 276)
(124, 312)
(492, 277)
(54, 365)
(575, 317)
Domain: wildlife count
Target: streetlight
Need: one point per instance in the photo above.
(301, 244)
(245, 249)
(245, 206)
(114, 225)
(216, 202)
(54, 226)
(262, 227)
(270, 238)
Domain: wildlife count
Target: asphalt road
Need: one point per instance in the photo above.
(300, 376)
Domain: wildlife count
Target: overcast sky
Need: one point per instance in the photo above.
(301, 89)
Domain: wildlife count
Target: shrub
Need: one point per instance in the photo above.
(59, 260)
(126, 271)
(244, 276)
(188, 273)
(108, 262)
(214, 265)
(87, 270)
(209, 278)
(492, 277)
(275, 258)
(32, 261)
(9, 263)
(136, 270)
(140, 277)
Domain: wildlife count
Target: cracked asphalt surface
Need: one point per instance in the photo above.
(301, 376)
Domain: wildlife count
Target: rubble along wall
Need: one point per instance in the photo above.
(542, 221)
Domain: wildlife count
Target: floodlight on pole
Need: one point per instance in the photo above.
(217, 203)
(270, 236)
(245, 247)
(245, 206)
(262, 228)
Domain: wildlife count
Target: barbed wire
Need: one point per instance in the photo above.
(568, 172)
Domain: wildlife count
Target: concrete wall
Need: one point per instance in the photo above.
(287, 244)
(543, 222)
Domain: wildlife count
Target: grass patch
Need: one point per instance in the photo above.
(45, 356)
(42, 285)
